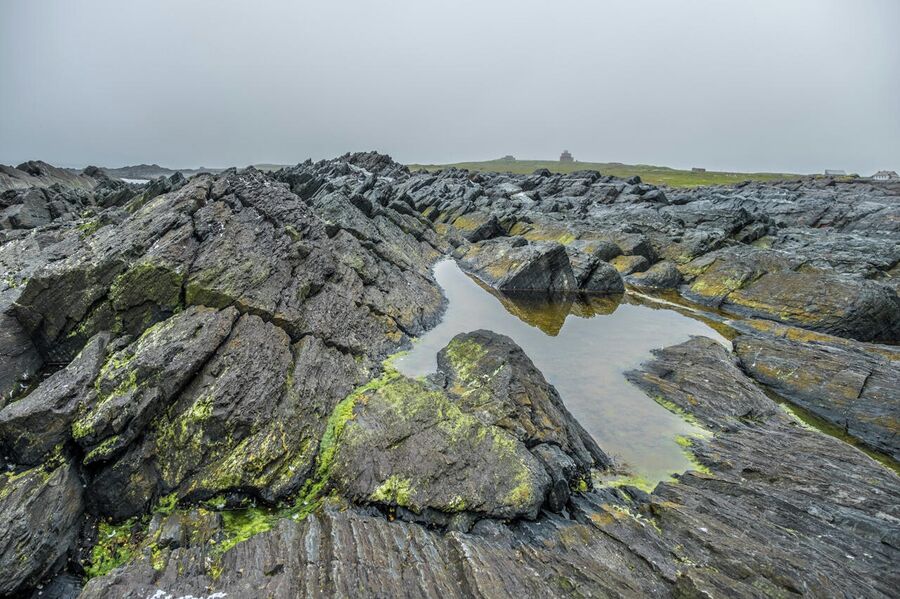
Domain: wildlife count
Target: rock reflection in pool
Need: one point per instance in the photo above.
(583, 346)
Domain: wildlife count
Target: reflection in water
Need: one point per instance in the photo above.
(583, 346)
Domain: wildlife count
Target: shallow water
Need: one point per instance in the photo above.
(583, 347)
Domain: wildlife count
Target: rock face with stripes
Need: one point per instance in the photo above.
(195, 399)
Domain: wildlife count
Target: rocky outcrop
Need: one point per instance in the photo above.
(37, 173)
(771, 284)
(834, 304)
(662, 275)
(492, 379)
(510, 265)
(850, 384)
(196, 403)
(138, 382)
(494, 439)
(40, 513)
(793, 494)
(410, 446)
(761, 515)
(33, 426)
(758, 249)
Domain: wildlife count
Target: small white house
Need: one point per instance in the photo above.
(885, 176)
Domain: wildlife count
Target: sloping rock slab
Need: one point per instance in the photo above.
(497, 383)
(853, 385)
(780, 508)
(31, 427)
(40, 511)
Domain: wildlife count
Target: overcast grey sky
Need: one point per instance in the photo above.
(783, 85)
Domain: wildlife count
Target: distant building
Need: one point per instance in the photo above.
(508, 158)
(835, 173)
(886, 176)
(697, 169)
(566, 157)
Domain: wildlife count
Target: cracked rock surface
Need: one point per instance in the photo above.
(197, 396)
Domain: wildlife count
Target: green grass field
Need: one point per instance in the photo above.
(657, 175)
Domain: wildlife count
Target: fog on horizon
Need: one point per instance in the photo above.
(768, 85)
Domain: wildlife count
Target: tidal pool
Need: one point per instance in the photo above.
(584, 346)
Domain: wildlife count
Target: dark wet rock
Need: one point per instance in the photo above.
(112, 192)
(249, 423)
(783, 483)
(63, 586)
(662, 275)
(510, 265)
(356, 286)
(845, 229)
(327, 264)
(31, 427)
(478, 226)
(58, 195)
(334, 553)
(592, 272)
(850, 384)
(37, 206)
(563, 471)
(713, 276)
(657, 196)
(137, 382)
(691, 375)
(497, 383)
(40, 511)
(409, 445)
(26, 210)
(629, 264)
(770, 284)
(66, 301)
(834, 304)
(36, 173)
(19, 359)
(604, 279)
(764, 516)
(215, 436)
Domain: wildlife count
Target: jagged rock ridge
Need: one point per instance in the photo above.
(179, 352)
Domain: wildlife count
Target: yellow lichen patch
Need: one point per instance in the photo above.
(464, 355)
(801, 335)
(710, 285)
(394, 490)
(470, 221)
(543, 232)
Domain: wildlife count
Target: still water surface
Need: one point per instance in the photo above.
(583, 347)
